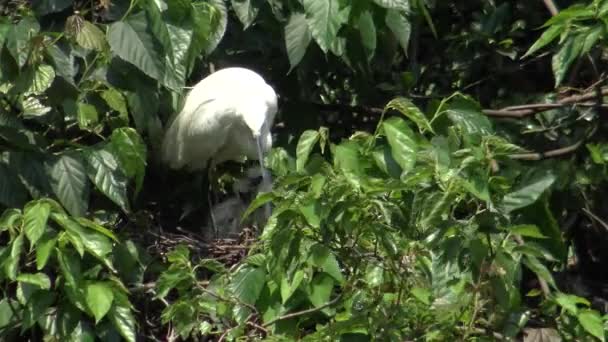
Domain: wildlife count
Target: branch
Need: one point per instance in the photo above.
(551, 7)
(303, 312)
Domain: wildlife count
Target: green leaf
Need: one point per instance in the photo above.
(12, 264)
(568, 53)
(91, 37)
(117, 102)
(367, 30)
(39, 279)
(547, 37)
(37, 305)
(131, 41)
(103, 170)
(527, 230)
(130, 150)
(541, 270)
(466, 114)
(12, 191)
(69, 182)
(321, 288)
(219, 19)
(570, 302)
(297, 38)
(411, 111)
(325, 18)
(123, 320)
(177, 73)
(9, 218)
(289, 288)
(34, 220)
(69, 264)
(7, 312)
(38, 80)
(591, 37)
(401, 27)
(95, 243)
(87, 116)
(247, 284)
(307, 141)
(19, 39)
(99, 298)
(46, 246)
(246, 11)
(258, 202)
(402, 141)
(592, 322)
(527, 193)
(401, 5)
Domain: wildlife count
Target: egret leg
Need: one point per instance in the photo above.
(210, 192)
(266, 178)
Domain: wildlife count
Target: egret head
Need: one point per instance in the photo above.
(259, 110)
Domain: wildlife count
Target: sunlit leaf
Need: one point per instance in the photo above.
(39, 279)
(99, 297)
(325, 18)
(297, 38)
(69, 182)
(34, 220)
(307, 141)
(403, 144)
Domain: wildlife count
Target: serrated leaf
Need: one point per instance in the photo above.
(94, 242)
(19, 39)
(325, 18)
(528, 193)
(91, 37)
(87, 116)
(403, 144)
(69, 264)
(297, 38)
(41, 79)
(39, 279)
(247, 284)
(412, 112)
(32, 107)
(69, 182)
(132, 42)
(99, 298)
(123, 320)
(34, 220)
(307, 141)
(104, 172)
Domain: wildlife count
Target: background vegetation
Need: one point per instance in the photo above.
(439, 170)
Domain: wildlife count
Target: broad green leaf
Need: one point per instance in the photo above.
(307, 142)
(527, 193)
(570, 302)
(346, 159)
(91, 37)
(9, 218)
(289, 287)
(87, 116)
(321, 288)
(131, 41)
(367, 30)
(38, 79)
(69, 264)
(12, 192)
(63, 61)
(547, 37)
(130, 150)
(123, 320)
(95, 243)
(12, 264)
(96, 227)
(69, 182)
(104, 172)
(401, 138)
(593, 323)
(246, 11)
(219, 23)
(466, 114)
(311, 213)
(181, 39)
(412, 112)
(400, 5)
(591, 37)
(325, 18)
(297, 38)
(32, 107)
(257, 203)
(19, 39)
(374, 275)
(527, 230)
(170, 279)
(99, 297)
(568, 53)
(34, 220)
(39, 279)
(7, 312)
(540, 269)
(46, 246)
(401, 27)
(37, 305)
(247, 284)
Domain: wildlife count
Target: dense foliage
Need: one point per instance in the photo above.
(406, 206)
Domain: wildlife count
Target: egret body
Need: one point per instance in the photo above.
(226, 116)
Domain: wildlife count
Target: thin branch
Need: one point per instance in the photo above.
(303, 312)
(547, 154)
(596, 218)
(551, 7)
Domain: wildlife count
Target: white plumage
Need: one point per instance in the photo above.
(225, 117)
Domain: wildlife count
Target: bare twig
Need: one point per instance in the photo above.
(596, 218)
(303, 312)
(547, 154)
(551, 7)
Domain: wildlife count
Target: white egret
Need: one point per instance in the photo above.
(226, 116)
